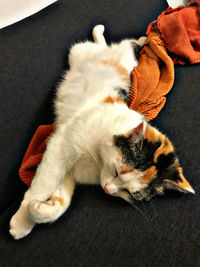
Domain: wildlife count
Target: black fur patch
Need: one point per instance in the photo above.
(166, 170)
(122, 93)
(140, 159)
(137, 48)
(164, 161)
(167, 167)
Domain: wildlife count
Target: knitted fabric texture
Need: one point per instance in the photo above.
(152, 79)
(34, 153)
(180, 31)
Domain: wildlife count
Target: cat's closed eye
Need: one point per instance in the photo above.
(116, 173)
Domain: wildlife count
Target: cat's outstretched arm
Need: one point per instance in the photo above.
(60, 155)
(98, 36)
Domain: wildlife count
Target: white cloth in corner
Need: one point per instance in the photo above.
(176, 3)
(12, 11)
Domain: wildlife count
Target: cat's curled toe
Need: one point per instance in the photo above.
(43, 212)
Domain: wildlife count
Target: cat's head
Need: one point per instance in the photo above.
(140, 164)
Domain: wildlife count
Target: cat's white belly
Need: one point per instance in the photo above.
(86, 171)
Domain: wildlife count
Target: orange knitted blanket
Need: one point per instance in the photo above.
(152, 79)
(180, 31)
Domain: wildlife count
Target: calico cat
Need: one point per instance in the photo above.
(98, 139)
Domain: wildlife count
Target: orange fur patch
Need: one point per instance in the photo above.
(59, 199)
(149, 174)
(125, 169)
(184, 183)
(151, 134)
(122, 71)
(111, 100)
(165, 148)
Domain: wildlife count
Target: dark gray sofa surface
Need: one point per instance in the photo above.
(97, 230)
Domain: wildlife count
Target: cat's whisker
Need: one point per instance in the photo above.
(140, 211)
(96, 160)
(155, 214)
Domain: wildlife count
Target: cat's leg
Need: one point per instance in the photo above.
(56, 205)
(141, 40)
(129, 50)
(98, 36)
(82, 52)
(21, 223)
(86, 50)
(58, 159)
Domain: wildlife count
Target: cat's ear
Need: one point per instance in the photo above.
(139, 129)
(177, 181)
(133, 136)
(136, 136)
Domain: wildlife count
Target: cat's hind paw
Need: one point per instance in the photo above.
(20, 224)
(98, 36)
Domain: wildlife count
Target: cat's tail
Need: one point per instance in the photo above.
(98, 36)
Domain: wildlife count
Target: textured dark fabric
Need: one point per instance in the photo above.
(97, 230)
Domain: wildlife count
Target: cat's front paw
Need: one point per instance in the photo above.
(21, 223)
(49, 211)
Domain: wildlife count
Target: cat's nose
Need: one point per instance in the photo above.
(106, 189)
